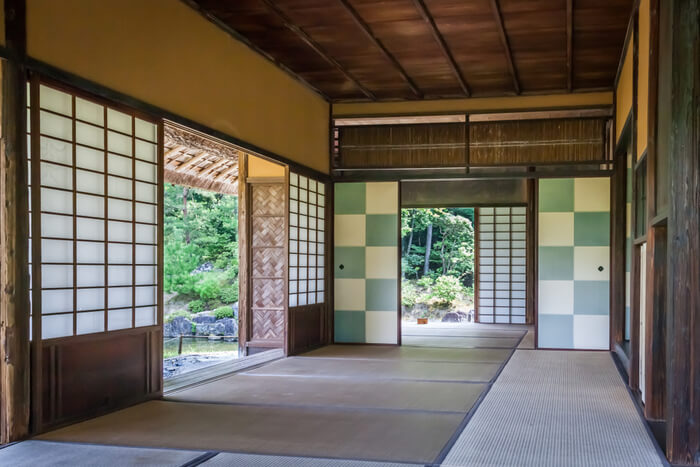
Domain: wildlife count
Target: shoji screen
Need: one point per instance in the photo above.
(502, 264)
(94, 213)
(307, 202)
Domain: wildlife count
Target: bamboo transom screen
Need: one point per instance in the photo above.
(94, 213)
(307, 202)
(502, 264)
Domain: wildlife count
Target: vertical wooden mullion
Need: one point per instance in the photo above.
(510, 265)
(285, 269)
(329, 275)
(36, 345)
(133, 222)
(106, 219)
(75, 220)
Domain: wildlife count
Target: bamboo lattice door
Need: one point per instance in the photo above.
(268, 263)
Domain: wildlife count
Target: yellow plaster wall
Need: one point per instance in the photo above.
(643, 78)
(478, 104)
(258, 167)
(165, 53)
(623, 105)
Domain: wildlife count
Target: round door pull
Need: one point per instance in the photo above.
(342, 266)
(600, 268)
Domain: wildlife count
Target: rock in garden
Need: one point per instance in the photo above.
(177, 327)
(230, 326)
(201, 318)
(208, 329)
(452, 317)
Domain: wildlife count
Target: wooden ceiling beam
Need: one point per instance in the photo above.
(370, 35)
(496, 9)
(569, 45)
(226, 172)
(308, 40)
(425, 13)
(209, 171)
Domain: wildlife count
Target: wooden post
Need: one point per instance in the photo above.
(683, 317)
(179, 346)
(14, 235)
(243, 256)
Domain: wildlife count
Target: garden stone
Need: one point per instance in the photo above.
(202, 319)
(177, 327)
(207, 329)
(230, 326)
(452, 317)
(464, 315)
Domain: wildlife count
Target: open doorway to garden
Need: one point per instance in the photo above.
(437, 266)
(200, 254)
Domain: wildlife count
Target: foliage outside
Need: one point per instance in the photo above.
(437, 261)
(201, 249)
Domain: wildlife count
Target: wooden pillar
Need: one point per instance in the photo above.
(683, 325)
(14, 235)
(243, 256)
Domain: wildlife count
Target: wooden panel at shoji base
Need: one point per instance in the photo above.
(366, 261)
(95, 248)
(502, 265)
(268, 263)
(308, 316)
(574, 263)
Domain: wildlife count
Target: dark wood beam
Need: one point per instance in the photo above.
(496, 9)
(14, 234)
(569, 45)
(370, 35)
(683, 286)
(308, 40)
(425, 13)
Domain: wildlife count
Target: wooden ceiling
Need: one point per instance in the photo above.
(354, 50)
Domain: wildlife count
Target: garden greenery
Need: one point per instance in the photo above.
(201, 247)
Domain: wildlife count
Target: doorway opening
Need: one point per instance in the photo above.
(437, 266)
(200, 254)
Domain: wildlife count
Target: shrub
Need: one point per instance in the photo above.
(223, 312)
(196, 306)
(229, 294)
(425, 281)
(446, 289)
(177, 314)
(208, 289)
(409, 294)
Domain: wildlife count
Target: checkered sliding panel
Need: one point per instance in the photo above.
(366, 223)
(574, 278)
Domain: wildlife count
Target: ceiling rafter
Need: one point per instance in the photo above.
(425, 13)
(370, 35)
(569, 45)
(308, 40)
(496, 9)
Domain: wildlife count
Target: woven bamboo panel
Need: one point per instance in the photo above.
(382, 146)
(268, 325)
(268, 293)
(268, 262)
(268, 200)
(536, 141)
(268, 231)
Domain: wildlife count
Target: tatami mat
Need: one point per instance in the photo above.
(406, 353)
(346, 434)
(461, 342)
(329, 392)
(49, 454)
(554, 408)
(379, 369)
